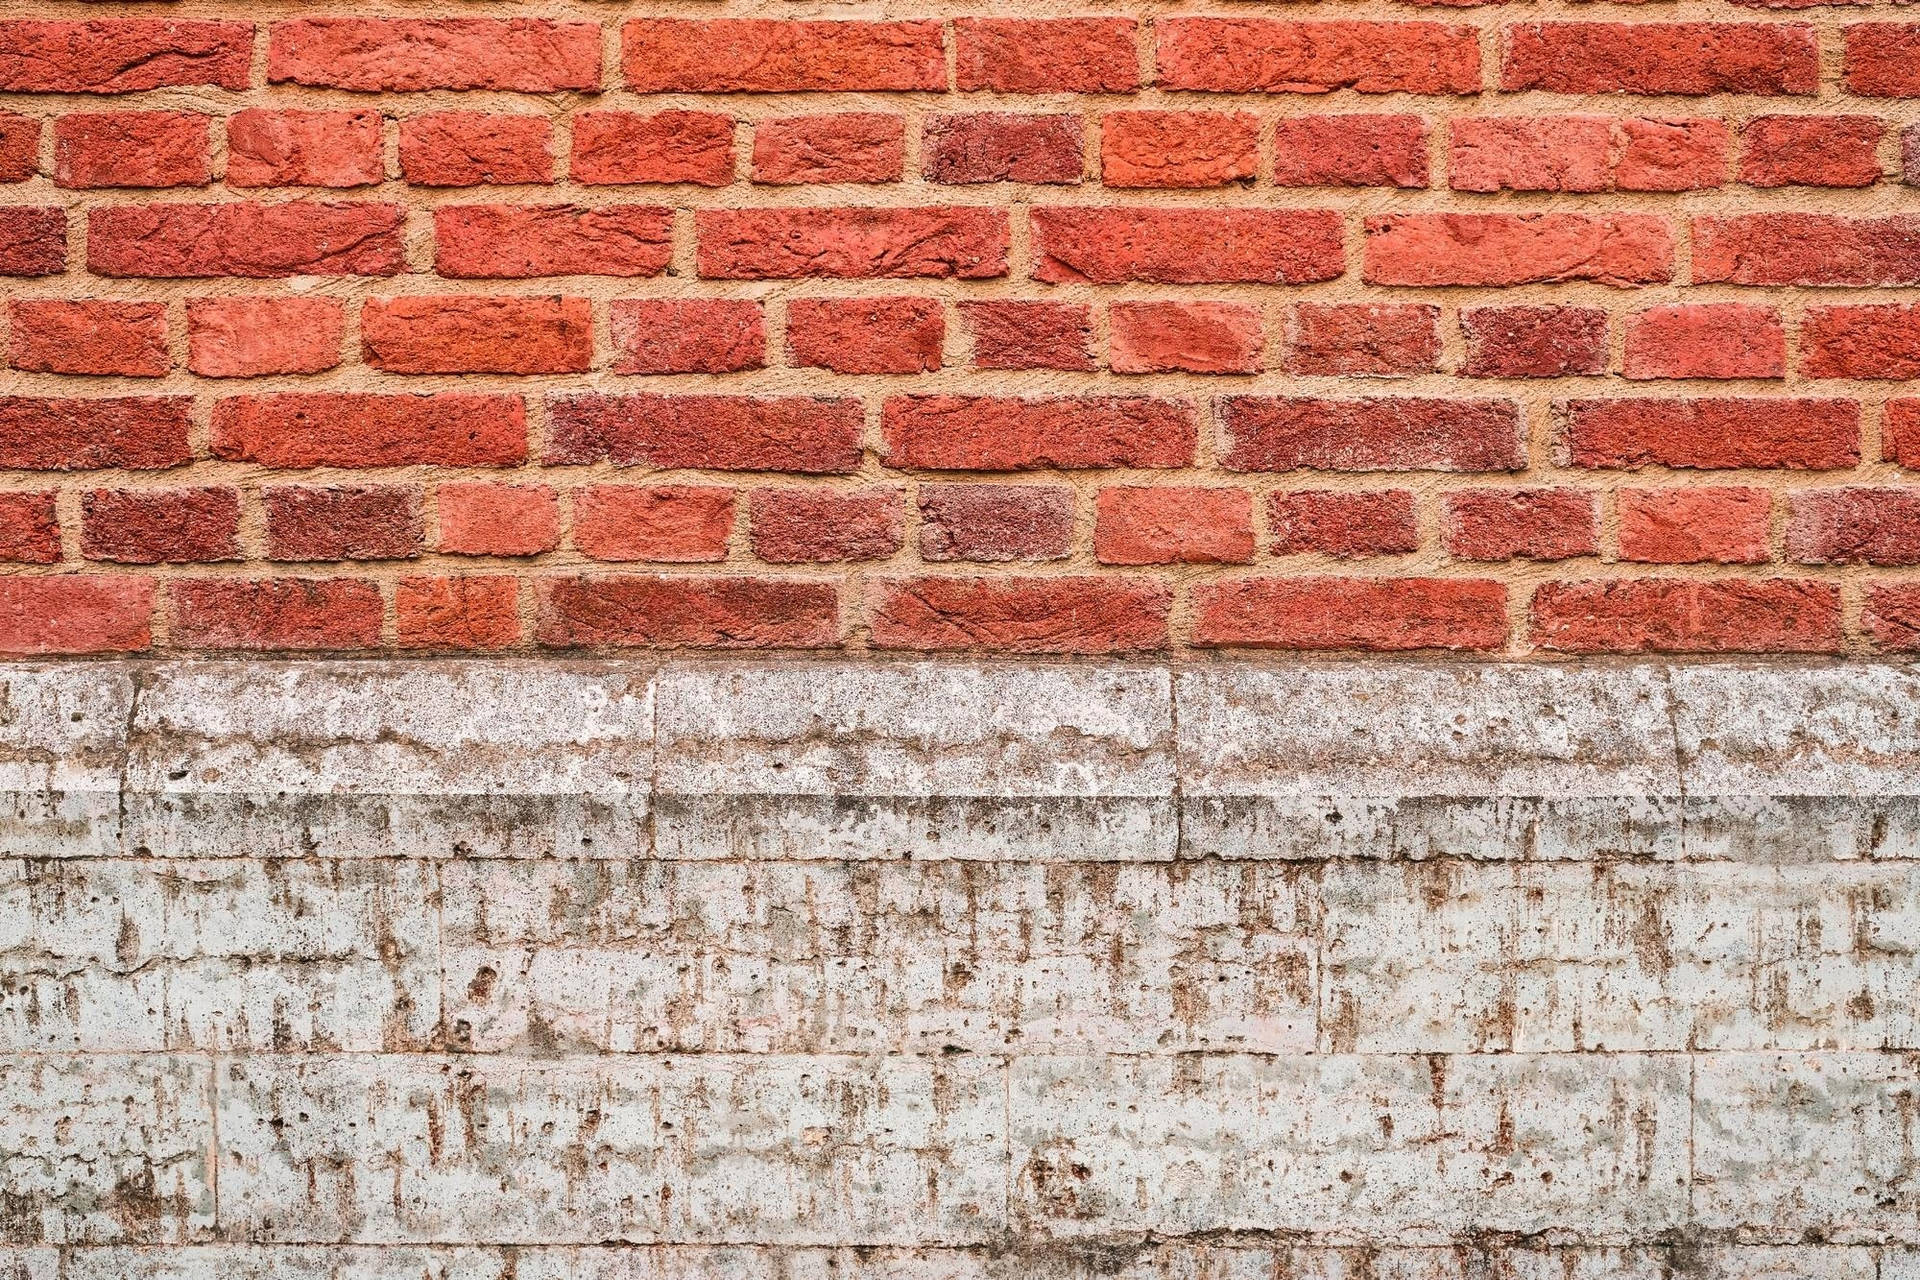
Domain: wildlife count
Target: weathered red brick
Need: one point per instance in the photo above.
(1046, 55)
(33, 241)
(866, 335)
(456, 613)
(515, 242)
(1855, 526)
(160, 526)
(1002, 146)
(1874, 341)
(1883, 59)
(1019, 615)
(1806, 248)
(250, 337)
(717, 433)
(1671, 155)
(132, 149)
(1345, 525)
(72, 613)
(92, 336)
(794, 526)
(1706, 340)
(133, 432)
(1633, 433)
(473, 148)
(464, 334)
(1284, 433)
(995, 523)
(1197, 337)
(1892, 616)
(665, 523)
(1178, 148)
(275, 613)
(1274, 55)
(780, 55)
(1661, 57)
(1815, 151)
(1666, 615)
(688, 336)
(847, 146)
(1030, 335)
(1350, 151)
(1534, 342)
(667, 146)
(1362, 337)
(1521, 524)
(19, 147)
(1900, 433)
(368, 522)
(29, 528)
(304, 149)
(481, 519)
(523, 55)
(242, 239)
(690, 612)
(1187, 246)
(1372, 614)
(853, 244)
(350, 429)
(993, 433)
(1530, 153)
(123, 55)
(1166, 524)
(1518, 248)
(1693, 526)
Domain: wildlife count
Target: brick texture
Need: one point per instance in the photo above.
(939, 305)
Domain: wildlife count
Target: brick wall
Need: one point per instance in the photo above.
(1536, 328)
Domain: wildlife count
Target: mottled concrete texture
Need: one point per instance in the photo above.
(857, 970)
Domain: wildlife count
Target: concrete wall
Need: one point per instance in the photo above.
(851, 970)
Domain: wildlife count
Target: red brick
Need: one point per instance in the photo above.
(160, 526)
(1019, 615)
(1815, 151)
(1178, 148)
(123, 55)
(1187, 246)
(1706, 340)
(668, 146)
(1135, 524)
(19, 147)
(1002, 146)
(1518, 248)
(1046, 55)
(1661, 57)
(50, 336)
(1892, 617)
(249, 337)
(474, 148)
(1350, 151)
(693, 336)
(1372, 338)
(33, 241)
(1803, 434)
(132, 149)
(1534, 342)
(1197, 337)
(667, 523)
(793, 526)
(1855, 526)
(995, 523)
(1663, 615)
(1030, 335)
(276, 613)
(713, 613)
(304, 149)
(523, 55)
(852, 244)
(1876, 341)
(481, 519)
(1883, 60)
(1692, 526)
(1806, 248)
(716, 433)
(1283, 433)
(456, 613)
(1521, 524)
(1530, 153)
(1900, 433)
(1274, 55)
(1671, 155)
(848, 146)
(133, 432)
(29, 528)
(347, 429)
(780, 55)
(66, 613)
(992, 433)
(371, 522)
(517, 242)
(866, 335)
(299, 238)
(1346, 525)
(1371, 614)
(477, 335)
